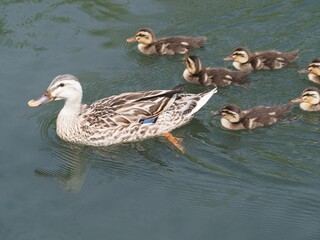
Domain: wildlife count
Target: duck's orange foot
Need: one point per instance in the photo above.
(174, 140)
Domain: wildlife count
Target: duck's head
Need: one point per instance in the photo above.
(313, 67)
(231, 112)
(193, 64)
(240, 55)
(66, 87)
(310, 96)
(144, 36)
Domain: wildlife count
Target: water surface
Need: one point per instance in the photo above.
(262, 184)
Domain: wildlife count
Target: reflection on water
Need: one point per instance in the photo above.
(70, 174)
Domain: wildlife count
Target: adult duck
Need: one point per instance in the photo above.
(127, 117)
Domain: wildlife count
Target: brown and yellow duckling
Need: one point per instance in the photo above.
(218, 77)
(309, 99)
(233, 118)
(148, 44)
(243, 59)
(313, 71)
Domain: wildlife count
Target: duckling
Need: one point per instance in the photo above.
(148, 44)
(218, 77)
(127, 117)
(233, 118)
(313, 71)
(309, 99)
(243, 59)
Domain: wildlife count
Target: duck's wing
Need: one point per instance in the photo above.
(129, 108)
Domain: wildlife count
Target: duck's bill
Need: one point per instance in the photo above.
(296, 100)
(228, 59)
(304, 71)
(39, 101)
(215, 113)
(132, 39)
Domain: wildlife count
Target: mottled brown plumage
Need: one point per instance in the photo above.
(126, 117)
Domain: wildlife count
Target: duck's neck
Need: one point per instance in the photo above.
(314, 78)
(310, 107)
(147, 48)
(232, 126)
(243, 66)
(68, 123)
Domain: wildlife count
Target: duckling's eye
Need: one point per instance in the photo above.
(308, 95)
(238, 54)
(141, 35)
(61, 84)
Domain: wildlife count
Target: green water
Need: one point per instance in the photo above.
(228, 185)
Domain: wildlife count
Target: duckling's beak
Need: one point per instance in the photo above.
(297, 100)
(132, 39)
(228, 59)
(185, 63)
(304, 71)
(216, 113)
(45, 98)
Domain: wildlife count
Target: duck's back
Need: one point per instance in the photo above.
(179, 45)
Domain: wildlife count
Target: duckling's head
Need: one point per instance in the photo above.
(193, 64)
(310, 96)
(240, 55)
(66, 87)
(314, 67)
(144, 36)
(231, 112)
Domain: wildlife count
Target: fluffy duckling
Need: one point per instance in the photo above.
(309, 99)
(233, 118)
(127, 117)
(218, 77)
(243, 59)
(148, 44)
(313, 71)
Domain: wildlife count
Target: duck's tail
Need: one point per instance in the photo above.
(200, 100)
(292, 56)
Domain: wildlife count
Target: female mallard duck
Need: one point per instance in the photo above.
(243, 59)
(218, 77)
(313, 71)
(235, 119)
(148, 44)
(309, 99)
(126, 117)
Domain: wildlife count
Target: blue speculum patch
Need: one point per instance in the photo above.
(150, 120)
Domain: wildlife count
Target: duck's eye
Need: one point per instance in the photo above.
(61, 85)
